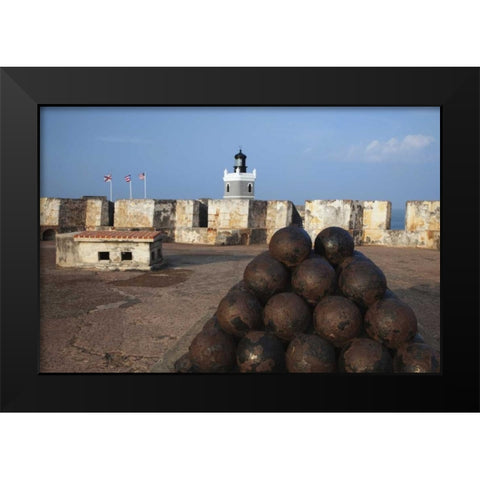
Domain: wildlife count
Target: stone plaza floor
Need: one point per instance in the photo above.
(131, 321)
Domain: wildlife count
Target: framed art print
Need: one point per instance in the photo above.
(135, 199)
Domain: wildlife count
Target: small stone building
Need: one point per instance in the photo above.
(110, 250)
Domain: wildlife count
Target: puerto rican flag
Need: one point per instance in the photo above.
(128, 178)
(107, 178)
(141, 176)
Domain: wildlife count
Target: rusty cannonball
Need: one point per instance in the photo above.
(356, 256)
(418, 338)
(391, 322)
(286, 314)
(416, 358)
(266, 276)
(337, 319)
(212, 351)
(212, 323)
(183, 364)
(238, 312)
(310, 354)
(241, 286)
(335, 244)
(364, 355)
(290, 245)
(389, 294)
(362, 282)
(313, 279)
(260, 352)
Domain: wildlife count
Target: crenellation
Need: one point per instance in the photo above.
(422, 216)
(243, 221)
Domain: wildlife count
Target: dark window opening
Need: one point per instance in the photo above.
(152, 255)
(249, 188)
(228, 187)
(104, 255)
(126, 256)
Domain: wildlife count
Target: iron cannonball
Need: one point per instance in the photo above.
(337, 319)
(364, 355)
(286, 314)
(335, 244)
(212, 323)
(266, 276)
(391, 322)
(362, 282)
(389, 294)
(260, 352)
(313, 279)
(241, 286)
(416, 358)
(356, 256)
(310, 354)
(290, 245)
(183, 364)
(212, 351)
(238, 312)
(418, 338)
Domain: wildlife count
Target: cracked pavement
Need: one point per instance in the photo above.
(118, 322)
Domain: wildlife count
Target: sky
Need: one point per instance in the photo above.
(299, 153)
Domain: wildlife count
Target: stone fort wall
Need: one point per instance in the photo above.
(243, 221)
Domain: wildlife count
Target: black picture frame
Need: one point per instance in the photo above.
(24, 90)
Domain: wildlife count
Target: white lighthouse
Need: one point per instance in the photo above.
(239, 184)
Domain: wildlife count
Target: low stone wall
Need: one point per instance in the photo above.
(245, 221)
(402, 238)
(279, 215)
(71, 214)
(320, 214)
(369, 222)
(228, 213)
(422, 216)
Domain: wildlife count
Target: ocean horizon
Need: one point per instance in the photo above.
(398, 219)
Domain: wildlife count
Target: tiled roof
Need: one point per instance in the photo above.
(116, 235)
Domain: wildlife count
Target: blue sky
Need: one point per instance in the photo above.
(371, 153)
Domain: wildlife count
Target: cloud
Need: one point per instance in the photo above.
(393, 148)
(122, 139)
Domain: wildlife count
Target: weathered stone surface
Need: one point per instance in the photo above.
(97, 212)
(66, 250)
(401, 238)
(244, 236)
(49, 211)
(71, 252)
(377, 214)
(164, 214)
(193, 235)
(72, 214)
(135, 213)
(257, 214)
(228, 213)
(187, 214)
(422, 216)
(320, 214)
(244, 221)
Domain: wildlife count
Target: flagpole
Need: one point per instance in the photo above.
(111, 191)
(130, 183)
(145, 185)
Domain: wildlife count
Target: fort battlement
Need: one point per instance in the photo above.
(242, 221)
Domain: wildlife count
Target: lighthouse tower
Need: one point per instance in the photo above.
(239, 184)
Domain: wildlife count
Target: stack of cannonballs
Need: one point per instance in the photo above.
(300, 310)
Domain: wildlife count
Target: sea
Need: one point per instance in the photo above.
(398, 219)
